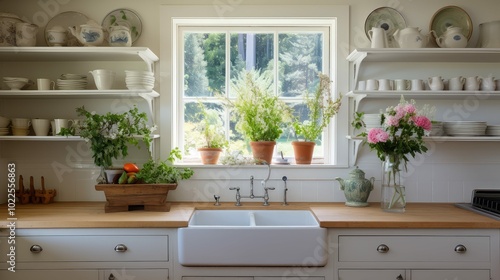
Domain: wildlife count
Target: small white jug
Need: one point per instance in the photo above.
(488, 84)
(378, 37)
(472, 83)
(436, 83)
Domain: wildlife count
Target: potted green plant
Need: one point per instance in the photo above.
(110, 134)
(321, 108)
(212, 134)
(260, 116)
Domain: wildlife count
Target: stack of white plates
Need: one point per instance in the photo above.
(4, 126)
(372, 121)
(139, 80)
(464, 128)
(437, 129)
(493, 130)
(72, 82)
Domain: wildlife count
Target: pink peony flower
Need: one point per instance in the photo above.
(376, 135)
(392, 121)
(410, 108)
(423, 122)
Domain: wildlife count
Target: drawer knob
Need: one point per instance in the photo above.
(399, 277)
(460, 249)
(111, 277)
(120, 248)
(36, 249)
(382, 248)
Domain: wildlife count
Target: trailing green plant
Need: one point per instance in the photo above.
(322, 107)
(163, 172)
(211, 128)
(110, 134)
(259, 114)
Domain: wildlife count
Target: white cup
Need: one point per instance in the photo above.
(362, 85)
(402, 84)
(488, 84)
(417, 84)
(371, 84)
(456, 83)
(472, 83)
(61, 123)
(21, 123)
(41, 126)
(45, 84)
(385, 84)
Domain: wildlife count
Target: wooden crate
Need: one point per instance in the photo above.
(128, 197)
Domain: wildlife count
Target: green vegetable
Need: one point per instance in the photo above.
(123, 178)
(162, 172)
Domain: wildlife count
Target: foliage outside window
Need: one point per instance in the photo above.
(290, 58)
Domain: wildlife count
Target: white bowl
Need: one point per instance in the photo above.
(15, 84)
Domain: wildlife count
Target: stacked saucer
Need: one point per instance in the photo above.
(464, 128)
(493, 130)
(139, 80)
(72, 82)
(4, 126)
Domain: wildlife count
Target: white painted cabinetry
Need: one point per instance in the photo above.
(90, 254)
(416, 254)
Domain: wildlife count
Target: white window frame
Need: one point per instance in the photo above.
(173, 17)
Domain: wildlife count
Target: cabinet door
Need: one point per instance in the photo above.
(450, 274)
(363, 274)
(136, 274)
(50, 274)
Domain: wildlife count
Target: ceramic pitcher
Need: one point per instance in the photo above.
(378, 37)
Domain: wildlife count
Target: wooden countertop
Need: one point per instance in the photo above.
(330, 215)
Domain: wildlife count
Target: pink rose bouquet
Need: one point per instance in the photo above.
(403, 127)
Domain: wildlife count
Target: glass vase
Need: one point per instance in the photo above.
(393, 192)
(101, 179)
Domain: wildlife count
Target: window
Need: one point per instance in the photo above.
(209, 53)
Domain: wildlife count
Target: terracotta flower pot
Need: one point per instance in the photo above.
(263, 150)
(303, 151)
(209, 155)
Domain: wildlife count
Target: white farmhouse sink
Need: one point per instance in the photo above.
(252, 238)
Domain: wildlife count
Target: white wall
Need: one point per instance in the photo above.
(447, 173)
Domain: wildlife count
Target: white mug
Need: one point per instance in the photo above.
(362, 85)
(61, 123)
(21, 123)
(371, 84)
(385, 84)
(45, 84)
(402, 84)
(41, 126)
(456, 83)
(417, 84)
(472, 83)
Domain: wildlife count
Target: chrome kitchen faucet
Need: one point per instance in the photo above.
(252, 196)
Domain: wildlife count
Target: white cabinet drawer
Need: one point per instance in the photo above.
(42, 274)
(413, 248)
(136, 274)
(92, 248)
(450, 274)
(361, 274)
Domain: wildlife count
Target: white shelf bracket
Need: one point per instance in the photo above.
(357, 99)
(149, 62)
(356, 145)
(149, 100)
(357, 66)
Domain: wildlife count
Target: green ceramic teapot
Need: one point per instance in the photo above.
(357, 188)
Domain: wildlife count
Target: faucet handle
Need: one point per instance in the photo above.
(270, 188)
(217, 200)
(234, 188)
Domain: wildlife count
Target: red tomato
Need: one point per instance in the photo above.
(130, 167)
